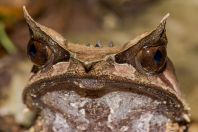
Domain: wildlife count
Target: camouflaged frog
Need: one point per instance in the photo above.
(128, 88)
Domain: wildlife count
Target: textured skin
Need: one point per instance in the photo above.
(116, 111)
(91, 91)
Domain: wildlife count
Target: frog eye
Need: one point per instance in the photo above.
(38, 52)
(46, 47)
(151, 60)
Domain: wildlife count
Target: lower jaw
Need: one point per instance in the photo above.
(117, 110)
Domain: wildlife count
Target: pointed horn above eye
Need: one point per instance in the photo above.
(31, 23)
(38, 31)
(160, 31)
(154, 38)
(165, 17)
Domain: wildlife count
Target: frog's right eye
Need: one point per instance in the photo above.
(38, 52)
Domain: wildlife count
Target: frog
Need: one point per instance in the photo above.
(117, 88)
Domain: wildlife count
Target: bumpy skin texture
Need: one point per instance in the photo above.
(91, 89)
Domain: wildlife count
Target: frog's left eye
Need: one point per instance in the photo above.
(151, 60)
(38, 52)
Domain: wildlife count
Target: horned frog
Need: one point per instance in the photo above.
(74, 87)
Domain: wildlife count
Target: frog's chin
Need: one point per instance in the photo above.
(110, 105)
(112, 111)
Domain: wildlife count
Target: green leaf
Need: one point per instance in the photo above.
(5, 41)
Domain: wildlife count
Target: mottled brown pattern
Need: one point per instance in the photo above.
(103, 88)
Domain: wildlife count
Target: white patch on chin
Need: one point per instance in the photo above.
(60, 124)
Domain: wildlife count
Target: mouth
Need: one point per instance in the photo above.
(94, 88)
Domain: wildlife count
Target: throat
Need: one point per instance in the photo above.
(111, 111)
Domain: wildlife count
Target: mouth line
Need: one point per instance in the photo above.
(95, 87)
(88, 83)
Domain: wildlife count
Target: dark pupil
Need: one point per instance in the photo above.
(32, 50)
(158, 57)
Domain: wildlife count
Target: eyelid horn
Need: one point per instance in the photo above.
(156, 37)
(48, 37)
(39, 31)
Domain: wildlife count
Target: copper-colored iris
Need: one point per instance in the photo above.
(151, 59)
(38, 52)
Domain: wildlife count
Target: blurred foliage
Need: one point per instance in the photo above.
(10, 15)
(5, 42)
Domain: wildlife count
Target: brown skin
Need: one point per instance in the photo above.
(79, 88)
